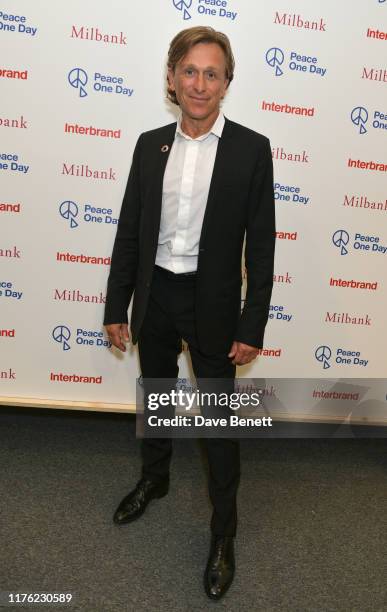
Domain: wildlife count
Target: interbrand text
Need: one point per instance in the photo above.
(376, 34)
(14, 74)
(367, 165)
(266, 352)
(88, 259)
(353, 284)
(339, 395)
(8, 207)
(286, 235)
(75, 378)
(7, 333)
(91, 131)
(286, 108)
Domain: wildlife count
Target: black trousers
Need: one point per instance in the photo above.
(169, 318)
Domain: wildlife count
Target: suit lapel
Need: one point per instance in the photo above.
(224, 160)
(161, 149)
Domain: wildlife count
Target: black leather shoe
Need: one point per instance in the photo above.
(134, 504)
(220, 567)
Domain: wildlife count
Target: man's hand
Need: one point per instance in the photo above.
(242, 353)
(118, 333)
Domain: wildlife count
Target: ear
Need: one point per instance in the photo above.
(171, 79)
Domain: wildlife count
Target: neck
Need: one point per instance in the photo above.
(197, 127)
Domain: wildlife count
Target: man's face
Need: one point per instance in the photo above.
(199, 81)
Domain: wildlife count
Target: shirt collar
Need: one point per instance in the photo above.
(216, 129)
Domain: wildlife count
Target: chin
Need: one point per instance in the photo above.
(198, 113)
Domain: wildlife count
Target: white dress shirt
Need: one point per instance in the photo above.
(186, 185)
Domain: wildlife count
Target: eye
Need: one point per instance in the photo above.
(211, 75)
(189, 71)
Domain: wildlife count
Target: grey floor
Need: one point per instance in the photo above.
(312, 529)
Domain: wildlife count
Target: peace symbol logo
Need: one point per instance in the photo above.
(183, 5)
(62, 334)
(340, 239)
(69, 210)
(275, 58)
(323, 355)
(78, 79)
(359, 117)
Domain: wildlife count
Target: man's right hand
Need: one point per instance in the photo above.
(118, 333)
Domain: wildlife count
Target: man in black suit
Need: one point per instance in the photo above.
(196, 189)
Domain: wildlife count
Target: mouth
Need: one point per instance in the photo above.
(199, 99)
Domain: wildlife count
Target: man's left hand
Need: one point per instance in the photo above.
(242, 353)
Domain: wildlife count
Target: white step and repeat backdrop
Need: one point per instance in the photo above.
(81, 80)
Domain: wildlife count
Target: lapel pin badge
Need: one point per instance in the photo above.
(164, 148)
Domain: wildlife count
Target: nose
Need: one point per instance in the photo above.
(200, 83)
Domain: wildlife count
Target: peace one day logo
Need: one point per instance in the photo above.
(280, 61)
(69, 211)
(78, 78)
(360, 116)
(84, 337)
(363, 243)
(210, 8)
(324, 355)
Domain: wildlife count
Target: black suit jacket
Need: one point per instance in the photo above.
(240, 203)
